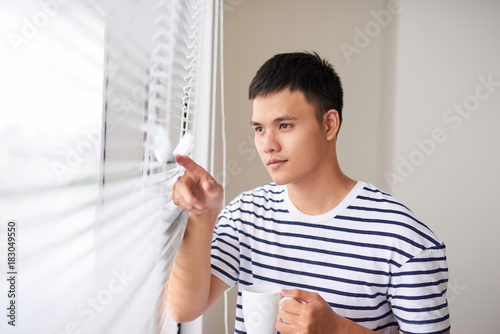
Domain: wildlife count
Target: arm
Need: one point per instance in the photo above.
(192, 289)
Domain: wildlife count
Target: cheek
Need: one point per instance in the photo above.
(302, 144)
(258, 147)
(308, 148)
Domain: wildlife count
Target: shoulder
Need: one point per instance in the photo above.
(371, 196)
(373, 202)
(385, 214)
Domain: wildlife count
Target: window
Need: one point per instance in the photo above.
(98, 93)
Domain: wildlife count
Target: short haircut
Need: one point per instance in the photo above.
(305, 72)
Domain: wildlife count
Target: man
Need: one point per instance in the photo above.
(354, 259)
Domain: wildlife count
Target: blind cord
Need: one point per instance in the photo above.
(214, 87)
(224, 142)
(218, 52)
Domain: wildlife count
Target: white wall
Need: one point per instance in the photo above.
(399, 80)
(443, 48)
(256, 30)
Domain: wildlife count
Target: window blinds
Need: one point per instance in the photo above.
(84, 171)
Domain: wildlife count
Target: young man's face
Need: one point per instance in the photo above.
(291, 143)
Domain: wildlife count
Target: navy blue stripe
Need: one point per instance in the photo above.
(265, 198)
(437, 332)
(246, 270)
(428, 259)
(224, 273)
(389, 324)
(423, 322)
(367, 319)
(320, 276)
(423, 309)
(240, 320)
(377, 191)
(270, 191)
(243, 282)
(225, 252)
(420, 272)
(227, 243)
(359, 308)
(221, 225)
(393, 222)
(381, 200)
(430, 296)
(217, 233)
(261, 206)
(419, 285)
(216, 257)
(302, 236)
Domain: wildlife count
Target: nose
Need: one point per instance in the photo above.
(270, 143)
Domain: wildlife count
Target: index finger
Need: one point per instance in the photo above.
(186, 162)
(301, 295)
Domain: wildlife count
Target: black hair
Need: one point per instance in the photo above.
(303, 71)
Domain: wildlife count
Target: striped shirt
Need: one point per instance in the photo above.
(370, 258)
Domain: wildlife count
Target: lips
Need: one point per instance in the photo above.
(275, 163)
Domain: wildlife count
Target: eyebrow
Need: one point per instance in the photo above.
(278, 120)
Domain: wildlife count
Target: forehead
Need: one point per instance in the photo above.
(282, 103)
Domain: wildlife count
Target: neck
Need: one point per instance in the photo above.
(321, 192)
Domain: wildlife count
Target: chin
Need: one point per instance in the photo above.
(280, 180)
(280, 177)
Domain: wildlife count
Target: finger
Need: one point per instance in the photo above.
(303, 295)
(184, 197)
(292, 308)
(187, 163)
(286, 314)
(284, 326)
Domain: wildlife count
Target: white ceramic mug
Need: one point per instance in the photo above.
(260, 304)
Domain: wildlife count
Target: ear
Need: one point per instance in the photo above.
(331, 123)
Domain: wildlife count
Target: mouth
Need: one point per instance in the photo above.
(275, 163)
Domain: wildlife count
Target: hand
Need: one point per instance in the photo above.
(314, 315)
(196, 190)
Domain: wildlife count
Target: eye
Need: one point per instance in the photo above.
(258, 129)
(285, 126)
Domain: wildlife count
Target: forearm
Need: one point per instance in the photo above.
(189, 283)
